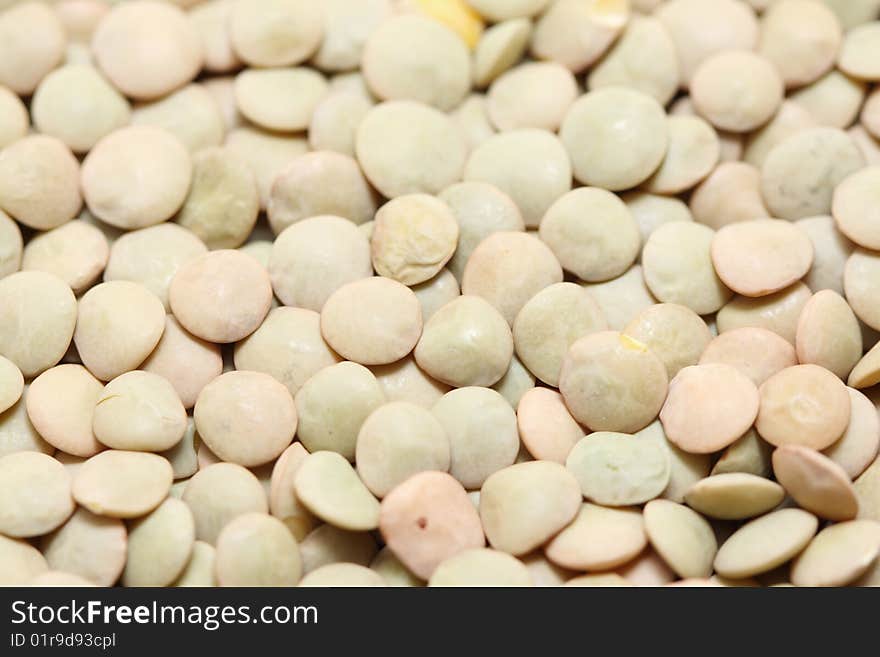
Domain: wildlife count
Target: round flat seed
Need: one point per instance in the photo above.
(333, 404)
(750, 454)
(694, 150)
(480, 210)
(122, 484)
(623, 298)
(17, 434)
(328, 544)
(288, 346)
(685, 469)
(481, 567)
(37, 319)
(765, 543)
(330, 488)
(223, 201)
(853, 207)
(652, 211)
(75, 252)
(341, 575)
(159, 545)
(626, 63)
(152, 256)
(731, 193)
(472, 120)
(576, 34)
(210, 20)
(611, 382)
(531, 166)
(481, 428)
(592, 234)
(275, 33)
(532, 95)
(33, 44)
(136, 177)
(466, 343)
(396, 441)
(526, 504)
(815, 482)
(282, 499)
(828, 334)
(732, 25)
(831, 249)
(218, 493)
(118, 324)
(313, 258)
(139, 411)
(616, 137)
(222, 296)
(282, 99)
(549, 323)
(427, 519)
(547, 429)
(838, 555)
(42, 201)
(500, 47)
(436, 292)
(861, 282)
(393, 144)
(692, 417)
(416, 58)
(35, 494)
(618, 469)
(791, 117)
(347, 25)
(147, 49)
(414, 236)
(14, 120)
(392, 570)
(757, 258)
(803, 405)
(191, 114)
(266, 154)
(778, 312)
(858, 53)
(509, 268)
(858, 447)
(801, 39)
(11, 245)
(89, 546)
(256, 549)
(800, 174)
(675, 334)
(737, 90)
(320, 183)
(648, 569)
(199, 570)
(372, 321)
(183, 457)
(678, 267)
(11, 384)
(599, 539)
(734, 496)
(406, 381)
(247, 418)
(682, 537)
(188, 363)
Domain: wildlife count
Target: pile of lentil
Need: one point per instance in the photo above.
(444, 292)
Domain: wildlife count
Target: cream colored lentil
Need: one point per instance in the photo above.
(190, 114)
(617, 469)
(778, 312)
(11, 384)
(682, 537)
(547, 429)
(677, 335)
(838, 555)
(328, 544)
(599, 538)
(734, 496)
(218, 493)
(499, 48)
(481, 567)
(815, 482)
(731, 193)
(834, 100)
(90, 546)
